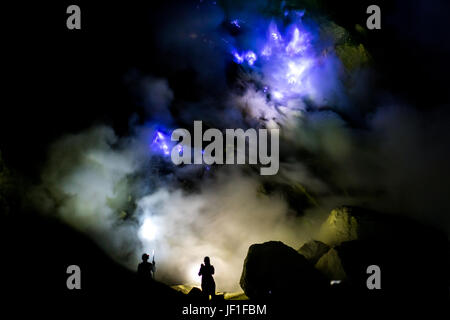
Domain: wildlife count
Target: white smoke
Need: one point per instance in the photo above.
(391, 159)
(87, 184)
(222, 220)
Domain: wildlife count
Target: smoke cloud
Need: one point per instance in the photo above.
(335, 149)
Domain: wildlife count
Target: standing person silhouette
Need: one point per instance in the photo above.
(145, 268)
(208, 284)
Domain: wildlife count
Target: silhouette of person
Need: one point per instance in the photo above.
(145, 268)
(208, 284)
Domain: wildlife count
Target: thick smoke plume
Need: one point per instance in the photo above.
(335, 148)
(90, 186)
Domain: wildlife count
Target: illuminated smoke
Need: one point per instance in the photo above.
(126, 194)
(148, 230)
(214, 222)
(162, 143)
(285, 61)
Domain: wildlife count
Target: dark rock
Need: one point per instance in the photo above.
(353, 56)
(196, 294)
(330, 265)
(347, 223)
(413, 257)
(409, 267)
(341, 225)
(313, 250)
(274, 270)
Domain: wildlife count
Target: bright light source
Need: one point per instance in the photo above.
(295, 71)
(250, 56)
(147, 230)
(238, 58)
(193, 276)
(277, 95)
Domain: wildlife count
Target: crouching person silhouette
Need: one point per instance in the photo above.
(208, 284)
(146, 269)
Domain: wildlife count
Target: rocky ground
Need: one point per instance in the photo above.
(413, 260)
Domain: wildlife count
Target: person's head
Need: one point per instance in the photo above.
(206, 260)
(145, 257)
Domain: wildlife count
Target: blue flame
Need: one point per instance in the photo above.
(246, 56)
(238, 58)
(160, 142)
(284, 58)
(250, 57)
(298, 43)
(235, 23)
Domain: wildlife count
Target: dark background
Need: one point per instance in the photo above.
(59, 80)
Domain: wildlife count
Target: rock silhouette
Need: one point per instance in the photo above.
(313, 250)
(330, 265)
(276, 271)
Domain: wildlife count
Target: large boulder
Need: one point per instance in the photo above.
(353, 56)
(313, 250)
(341, 225)
(348, 223)
(275, 270)
(196, 294)
(330, 265)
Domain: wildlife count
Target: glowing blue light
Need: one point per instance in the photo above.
(286, 59)
(300, 13)
(277, 95)
(295, 71)
(159, 142)
(250, 56)
(274, 33)
(237, 57)
(267, 51)
(235, 22)
(297, 43)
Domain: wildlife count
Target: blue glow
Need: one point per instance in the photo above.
(277, 95)
(160, 142)
(296, 70)
(238, 58)
(297, 44)
(285, 58)
(267, 51)
(274, 34)
(235, 22)
(250, 56)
